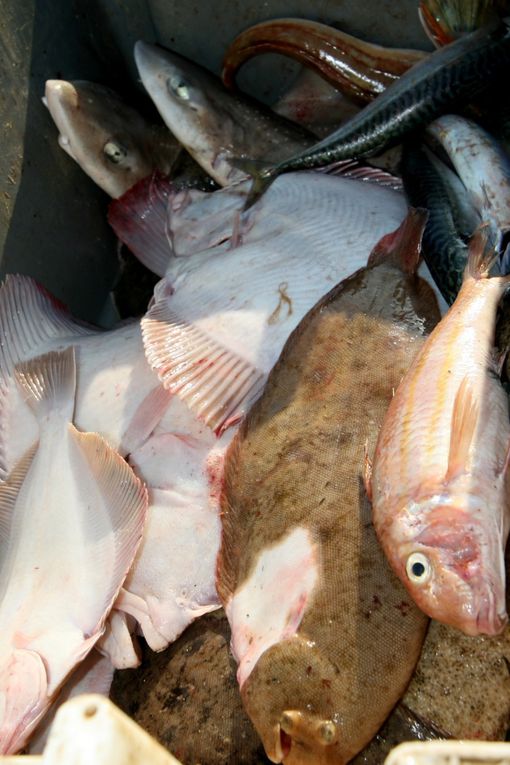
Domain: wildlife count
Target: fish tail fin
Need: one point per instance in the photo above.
(48, 383)
(262, 177)
(482, 253)
(403, 245)
(445, 22)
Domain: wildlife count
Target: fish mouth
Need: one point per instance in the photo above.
(488, 620)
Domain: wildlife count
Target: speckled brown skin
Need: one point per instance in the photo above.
(298, 461)
(187, 698)
(463, 683)
(402, 725)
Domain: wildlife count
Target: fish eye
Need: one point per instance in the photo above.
(287, 721)
(115, 152)
(327, 732)
(418, 568)
(180, 87)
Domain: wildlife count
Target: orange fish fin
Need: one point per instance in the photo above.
(482, 253)
(464, 420)
(403, 245)
(367, 473)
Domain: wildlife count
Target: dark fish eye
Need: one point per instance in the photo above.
(179, 87)
(115, 152)
(418, 568)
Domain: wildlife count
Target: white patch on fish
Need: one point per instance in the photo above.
(270, 604)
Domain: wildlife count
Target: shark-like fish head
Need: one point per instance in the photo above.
(110, 141)
(194, 105)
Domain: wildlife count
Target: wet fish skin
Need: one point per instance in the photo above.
(430, 184)
(111, 141)
(447, 77)
(439, 482)
(482, 165)
(402, 725)
(209, 121)
(360, 69)
(313, 620)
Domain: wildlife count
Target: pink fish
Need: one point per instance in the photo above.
(439, 482)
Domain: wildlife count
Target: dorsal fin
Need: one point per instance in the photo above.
(482, 252)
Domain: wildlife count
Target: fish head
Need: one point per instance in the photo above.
(453, 565)
(110, 141)
(23, 697)
(291, 699)
(193, 104)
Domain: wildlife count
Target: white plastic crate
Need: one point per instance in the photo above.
(450, 753)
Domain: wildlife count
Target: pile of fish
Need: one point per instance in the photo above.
(309, 425)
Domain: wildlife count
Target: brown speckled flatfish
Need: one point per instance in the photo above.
(462, 683)
(325, 637)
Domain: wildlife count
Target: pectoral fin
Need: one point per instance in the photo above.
(463, 428)
(214, 381)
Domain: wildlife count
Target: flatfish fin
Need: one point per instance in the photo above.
(94, 675)
(216, 383)
(351, 168)
(48, 383)
(29, 317)
(125, 498)
(140, 220)
(23, 683)
(118, 642)
(9, 490)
